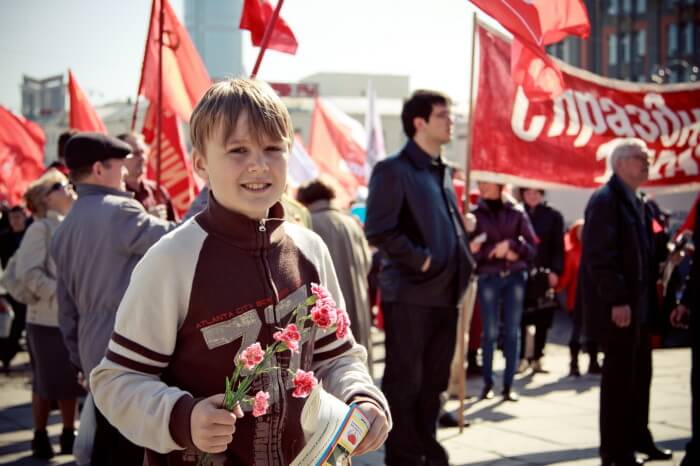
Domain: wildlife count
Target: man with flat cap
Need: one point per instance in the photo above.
(96, 248)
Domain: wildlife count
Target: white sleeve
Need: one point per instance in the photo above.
(126, 385)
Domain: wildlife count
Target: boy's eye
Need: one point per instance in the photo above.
(274, 148)
(237, 150)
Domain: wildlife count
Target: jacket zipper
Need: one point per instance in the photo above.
(268, 274)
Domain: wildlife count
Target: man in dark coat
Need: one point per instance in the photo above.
(618, 275)
(412, 217)
(688, 314)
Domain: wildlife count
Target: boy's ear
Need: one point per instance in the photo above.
(199, 163)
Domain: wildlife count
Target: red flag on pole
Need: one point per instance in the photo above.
(337, 145)
(254, 18)
(21, 155)
(185, 79)
(82, 116)
(176, 172)
(534, 24)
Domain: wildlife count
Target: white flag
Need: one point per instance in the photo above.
(301, 167)
(373, 128)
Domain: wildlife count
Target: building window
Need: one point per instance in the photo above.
(625, 46)
(672, 40)
(641, 6)
(688, 38)
(613, 7)
(612, 49)
(627, 6)
(641, 43)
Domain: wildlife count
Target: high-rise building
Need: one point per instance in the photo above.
(213, 27)
(638, 40)
(43, 98)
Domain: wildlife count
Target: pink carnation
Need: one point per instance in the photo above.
(290, 336)
(304, 383)
(252, 356)
(343, 324)
(260, 404)
(324, 315)
(323, 296)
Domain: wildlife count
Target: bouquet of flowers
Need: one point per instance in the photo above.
(324, 315)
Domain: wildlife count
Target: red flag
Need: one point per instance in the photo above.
(534, 24)
(255, 17)
(337, 145)
(82, 116)
(689, 222)
(176, 172)
(21, 155)
(185, 79)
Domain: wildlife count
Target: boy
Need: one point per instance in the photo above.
(223, 280)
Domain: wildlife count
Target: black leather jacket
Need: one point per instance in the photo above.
(412, 215)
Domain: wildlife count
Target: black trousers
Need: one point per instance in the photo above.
(542, 320)
(9, 347)
(110, 448)
(420, 342)
(624, 392)
(693, 447)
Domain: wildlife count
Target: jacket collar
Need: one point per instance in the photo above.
(420, 158)
(321, 205)
(624, 191)
(239, 230)
(86, 189)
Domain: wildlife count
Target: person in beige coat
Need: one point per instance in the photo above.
(53, 376)
(350, 252)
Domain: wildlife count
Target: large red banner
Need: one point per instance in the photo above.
(568, 140)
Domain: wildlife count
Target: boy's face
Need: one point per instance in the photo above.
(245, 176)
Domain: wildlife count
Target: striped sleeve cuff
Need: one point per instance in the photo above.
(179, 424)
(127, 353)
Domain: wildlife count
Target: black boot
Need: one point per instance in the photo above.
(473, 367)
(593, 366)
(67, 440)
(41, 445)
(574, 349)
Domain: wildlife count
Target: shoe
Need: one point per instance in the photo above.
(446, 419)
(628, 461)
(487, 392)
(473, 367)
(594, 368)
(522, 367)
(655, 453)
(510, 395)
(41, 445)
(67, 440)
(537, 368)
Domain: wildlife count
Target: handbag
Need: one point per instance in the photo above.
(16, 285)
(538, 294)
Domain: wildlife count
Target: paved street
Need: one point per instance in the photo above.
(555, 422)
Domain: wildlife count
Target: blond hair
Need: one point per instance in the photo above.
(223, 104)
(35, 196)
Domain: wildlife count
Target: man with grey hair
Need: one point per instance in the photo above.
(619, 268)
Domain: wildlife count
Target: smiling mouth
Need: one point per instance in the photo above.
(256, 187)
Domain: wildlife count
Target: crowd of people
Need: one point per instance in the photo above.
(144, 313)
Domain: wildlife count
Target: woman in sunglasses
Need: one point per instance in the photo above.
(53, 377)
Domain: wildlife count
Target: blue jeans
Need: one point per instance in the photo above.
(496, 293)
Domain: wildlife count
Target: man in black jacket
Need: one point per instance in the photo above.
(688, 314)
(618, 275)
(412, 218)
(549, 261)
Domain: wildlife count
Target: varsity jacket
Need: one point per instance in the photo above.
(202, 294)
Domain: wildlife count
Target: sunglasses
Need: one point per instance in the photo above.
(58, 186)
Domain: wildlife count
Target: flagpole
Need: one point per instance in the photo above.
(143, 65)
(266, 38)
(467, 308)
(161, 21)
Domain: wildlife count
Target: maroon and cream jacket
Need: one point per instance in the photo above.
(199, 296)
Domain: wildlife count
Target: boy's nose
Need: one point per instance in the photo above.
(259, 163)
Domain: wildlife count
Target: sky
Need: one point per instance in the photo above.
(102, 42)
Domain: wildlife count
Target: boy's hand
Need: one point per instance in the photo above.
(212, 427)
(378, 430)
